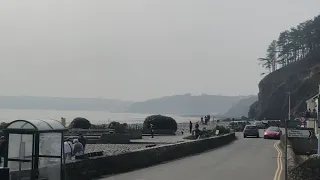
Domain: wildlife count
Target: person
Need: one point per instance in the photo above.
(190, 126)
(68, 149)
(78, 149)
(151, 129)
(197, 131)
(83, 141)
(3, 145)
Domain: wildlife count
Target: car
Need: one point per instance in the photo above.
(235, 126)
(259, 124)
(251, 130)
(273, 132)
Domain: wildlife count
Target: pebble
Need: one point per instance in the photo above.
(113, 149)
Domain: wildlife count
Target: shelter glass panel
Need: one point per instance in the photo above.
(49, 168)
(20, 146)
(50, 144)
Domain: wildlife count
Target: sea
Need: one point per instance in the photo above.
(95, 117)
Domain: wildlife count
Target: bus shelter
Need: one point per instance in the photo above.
(35, 149)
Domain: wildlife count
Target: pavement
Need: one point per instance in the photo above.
(243, 159)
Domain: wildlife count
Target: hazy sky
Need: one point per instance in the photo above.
(138, 49)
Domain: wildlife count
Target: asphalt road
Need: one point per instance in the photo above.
(244, 159)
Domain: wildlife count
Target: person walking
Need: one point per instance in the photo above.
(190, 127)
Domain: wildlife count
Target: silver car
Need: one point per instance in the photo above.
(251, 130)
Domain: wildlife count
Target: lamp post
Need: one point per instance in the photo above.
(318, 121)
(286, 137)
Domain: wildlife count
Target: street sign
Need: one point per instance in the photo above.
(301, 133)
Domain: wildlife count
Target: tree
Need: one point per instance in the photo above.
(118, 127)
(270, 60)
(81, 123)
(293, 45)
(160, 122)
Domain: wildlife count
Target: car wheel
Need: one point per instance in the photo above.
(244, 136)
(258, 136)
(265, 137)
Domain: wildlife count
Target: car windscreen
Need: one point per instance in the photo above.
(274, 129)
(251, 127)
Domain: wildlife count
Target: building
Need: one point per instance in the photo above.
(312, 104)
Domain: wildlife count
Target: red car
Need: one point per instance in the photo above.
(272, 132)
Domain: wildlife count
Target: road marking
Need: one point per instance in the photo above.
(278, 173)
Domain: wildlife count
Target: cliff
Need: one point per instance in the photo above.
(241, 108)
(300, 78)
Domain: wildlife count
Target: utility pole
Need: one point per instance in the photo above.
(286, 138)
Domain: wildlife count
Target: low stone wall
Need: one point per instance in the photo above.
(290, 153)
(307, 170)
(135, 134)
(114, 138)
(87, 169)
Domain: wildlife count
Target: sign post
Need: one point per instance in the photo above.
(286, 139)
(299, 133)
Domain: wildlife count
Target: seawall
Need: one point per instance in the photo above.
(95, 167)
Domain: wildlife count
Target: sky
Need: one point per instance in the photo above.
(139, 49)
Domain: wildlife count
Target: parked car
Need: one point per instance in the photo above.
(251, 130)
(273, 132)
(259, 124)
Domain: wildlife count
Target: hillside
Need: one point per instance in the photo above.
(297, 53)
(241, 108)
(186, 104)
(56, 103)
(301, 79)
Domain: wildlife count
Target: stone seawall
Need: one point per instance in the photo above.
(90, 168)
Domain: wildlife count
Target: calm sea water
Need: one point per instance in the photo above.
(95, 117)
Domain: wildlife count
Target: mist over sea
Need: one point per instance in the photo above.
(95, 117)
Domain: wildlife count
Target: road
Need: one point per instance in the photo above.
(243, 159)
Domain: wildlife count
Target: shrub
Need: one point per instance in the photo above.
(99, 126)
(222, 130)
(118, 127)
(81, 123)
(160, 122)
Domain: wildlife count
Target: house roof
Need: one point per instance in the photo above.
(313, 97)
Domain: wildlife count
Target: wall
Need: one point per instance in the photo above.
(87, 169)
(307, 170)
(114, 138)
(290, 153)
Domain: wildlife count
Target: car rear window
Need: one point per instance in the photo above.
(251, 127)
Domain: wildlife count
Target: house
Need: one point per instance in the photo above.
(312, 104)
